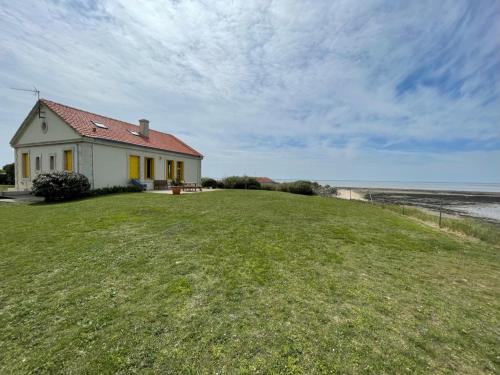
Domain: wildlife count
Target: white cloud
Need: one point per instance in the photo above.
(283, 88)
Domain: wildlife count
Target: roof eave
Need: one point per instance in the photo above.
(200, 156)
(25, 122)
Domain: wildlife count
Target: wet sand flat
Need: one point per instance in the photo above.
(481, 205)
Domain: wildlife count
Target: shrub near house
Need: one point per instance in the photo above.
(208, 182)
(302, 187)
(7, 177)
(3, 177)
(241, 182)
(59, 186)
(56, 186)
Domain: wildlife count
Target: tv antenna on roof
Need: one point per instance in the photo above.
(35, 91)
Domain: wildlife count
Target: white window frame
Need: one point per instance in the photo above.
(39, 159)
(55, 162)
(22, 166)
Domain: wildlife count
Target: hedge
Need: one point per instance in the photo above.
(115, 189)
(55, 186)
(208, 182)
(60, 186)
(241, 182)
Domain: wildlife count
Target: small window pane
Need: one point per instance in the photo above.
(170, 169)
(180, 170)
(149, 168)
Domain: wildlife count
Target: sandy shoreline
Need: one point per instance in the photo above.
(482, 205)
(350, 194)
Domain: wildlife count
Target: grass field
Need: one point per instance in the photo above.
(485, 231)
(241, 282)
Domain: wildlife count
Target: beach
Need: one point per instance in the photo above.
(481, 205)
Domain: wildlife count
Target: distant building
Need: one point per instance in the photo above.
(265, 180)
(109, 152)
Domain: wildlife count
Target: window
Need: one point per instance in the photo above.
(25, 159)
(149, 170)
(38, 163)
(134, 170)
(99, 125)
(170, 169)
(180, 170)
(52, 162)
(134, 132)
(68, 160)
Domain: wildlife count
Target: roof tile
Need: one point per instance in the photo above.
(118, 131)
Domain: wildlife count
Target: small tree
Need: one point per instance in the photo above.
(3, 177)
(9, 171)
(208, 182)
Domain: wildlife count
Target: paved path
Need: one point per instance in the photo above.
(7, 200)
(352, 194)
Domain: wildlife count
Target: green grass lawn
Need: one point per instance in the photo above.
(241, 282)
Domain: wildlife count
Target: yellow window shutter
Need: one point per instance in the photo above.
(68, 160)
(134, 171)
(25, 165)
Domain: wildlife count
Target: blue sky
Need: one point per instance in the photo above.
(384, 90)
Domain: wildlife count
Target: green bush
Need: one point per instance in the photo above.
(3, 177)
(10, 172)
(241, 182)
(270, 187)
(297, 187)
(57, 186)
(208, 182)
(324, 190)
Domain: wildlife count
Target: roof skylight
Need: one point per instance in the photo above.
(134, 132)
(99, 125)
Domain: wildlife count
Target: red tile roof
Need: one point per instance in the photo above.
(117, 131)
(264, 180)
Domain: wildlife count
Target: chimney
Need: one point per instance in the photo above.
(144, 127)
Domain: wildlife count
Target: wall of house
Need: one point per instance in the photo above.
(104, 163)
(44, 152)
(111, 165)
(57, 130)
(42, 142)
(85, 166)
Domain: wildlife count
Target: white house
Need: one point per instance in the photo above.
(55, 137)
